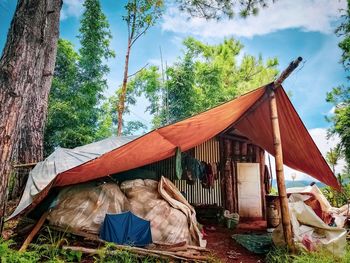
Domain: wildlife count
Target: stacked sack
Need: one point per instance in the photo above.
(84, 207)
(172, 218)
(168, 224)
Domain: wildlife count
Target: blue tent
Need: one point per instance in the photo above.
(126, 229)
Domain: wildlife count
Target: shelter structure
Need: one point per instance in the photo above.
(234, 136)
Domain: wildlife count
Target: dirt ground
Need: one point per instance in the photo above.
(225, 248)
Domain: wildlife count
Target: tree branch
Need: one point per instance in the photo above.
(144, 31)
(138, 71)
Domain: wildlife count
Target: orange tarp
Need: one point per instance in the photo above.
(249, 113)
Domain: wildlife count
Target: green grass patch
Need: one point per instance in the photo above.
(278, 255)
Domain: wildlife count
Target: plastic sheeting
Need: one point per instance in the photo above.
(172, 219)
(84, 207)
(309, 231)
(322, 208)
(258, 244)
(62, 160)
(126, 229)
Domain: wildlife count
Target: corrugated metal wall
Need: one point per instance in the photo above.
(208, 152)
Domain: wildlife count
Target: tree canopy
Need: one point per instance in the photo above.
(79, 82)
(205, 76)
(340, 96)
(217, 9)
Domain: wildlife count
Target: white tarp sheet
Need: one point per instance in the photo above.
(309, 231)
(61, 160)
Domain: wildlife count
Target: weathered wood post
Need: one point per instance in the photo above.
(228, 175)
(287, 228)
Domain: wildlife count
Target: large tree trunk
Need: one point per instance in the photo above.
(26, 69)
(122, 95)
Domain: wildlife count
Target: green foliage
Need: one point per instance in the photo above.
(335, 198)
(340, 96)
(64, 126)
(95, 38)
(108, 120)
(110, 254)
(204, 77)
(217, 9)
(78, 84)
(279, 255)
(333, 156)
(141, 15)
(9, 255)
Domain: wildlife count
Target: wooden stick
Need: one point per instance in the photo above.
(293, 65)
(34, 231)
(24, 165)
(144, 252)
(287, 229)
(141, 251)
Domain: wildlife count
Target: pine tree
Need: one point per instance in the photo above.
(95, 38)
(79, 83)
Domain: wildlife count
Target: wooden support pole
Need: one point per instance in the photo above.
(293, 65)
(287, 229)
(34, 231)
(228, 175)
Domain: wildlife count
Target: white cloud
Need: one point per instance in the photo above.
(308, 15)
(319, 135)
(72, 8)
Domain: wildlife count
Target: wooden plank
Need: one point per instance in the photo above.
(34, 231)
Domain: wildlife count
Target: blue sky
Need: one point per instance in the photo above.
(286, 30)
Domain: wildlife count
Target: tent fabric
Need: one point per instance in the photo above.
(250, 114)
(299, 150)
(162, 143)
(126, 229)
(62, 160)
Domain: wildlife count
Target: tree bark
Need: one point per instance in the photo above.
(31, 139)
(26, 69)
(122, 95)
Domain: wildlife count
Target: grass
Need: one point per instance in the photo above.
(322, 256)
(52, 253)
(48, 249)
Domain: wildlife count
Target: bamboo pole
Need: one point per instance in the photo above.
(287, 229)
(293, 65)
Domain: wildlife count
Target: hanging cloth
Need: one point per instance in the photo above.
(267, 180)
(178, 165)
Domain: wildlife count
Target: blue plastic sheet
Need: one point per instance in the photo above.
(126, 229)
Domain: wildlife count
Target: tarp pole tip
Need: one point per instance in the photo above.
(285, 74)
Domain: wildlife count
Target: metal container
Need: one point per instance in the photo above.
(273, 214)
